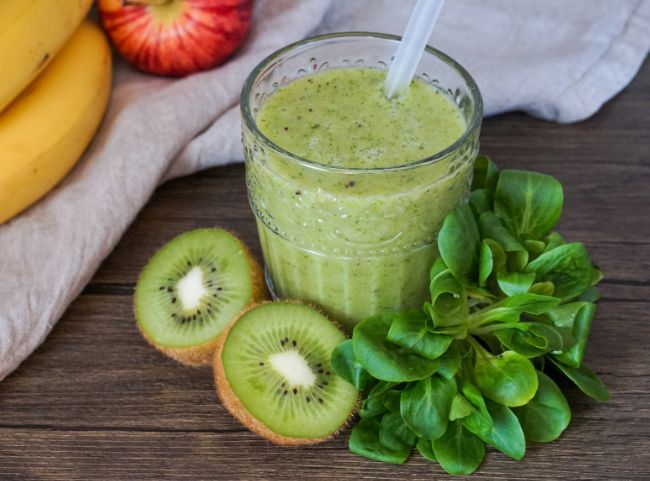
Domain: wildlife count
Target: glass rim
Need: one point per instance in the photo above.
(251, 124)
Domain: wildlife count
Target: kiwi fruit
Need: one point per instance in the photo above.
(273, 372)
(191, 289)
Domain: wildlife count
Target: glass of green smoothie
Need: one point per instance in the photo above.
(349, 188)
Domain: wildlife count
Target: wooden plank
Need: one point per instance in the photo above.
(120, 455)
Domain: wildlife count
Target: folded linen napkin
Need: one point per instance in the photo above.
(554, 59)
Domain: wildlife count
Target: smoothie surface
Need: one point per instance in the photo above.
(341, 117)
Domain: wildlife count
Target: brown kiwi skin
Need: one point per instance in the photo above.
(203, 354)
(234, 406)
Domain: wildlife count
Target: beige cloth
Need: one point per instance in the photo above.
(556, 59)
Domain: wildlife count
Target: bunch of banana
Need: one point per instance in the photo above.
(56, 76)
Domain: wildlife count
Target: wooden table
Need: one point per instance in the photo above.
(96, 402)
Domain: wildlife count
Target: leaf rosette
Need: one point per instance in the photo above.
(512, 302)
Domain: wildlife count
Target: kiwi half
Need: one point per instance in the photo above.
(191, 289)
(273, 373)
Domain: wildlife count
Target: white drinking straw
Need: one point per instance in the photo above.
(410, 50)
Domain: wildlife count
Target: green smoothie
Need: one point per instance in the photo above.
(352, 227)
(342, 118)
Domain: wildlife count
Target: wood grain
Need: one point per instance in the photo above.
(96, 402)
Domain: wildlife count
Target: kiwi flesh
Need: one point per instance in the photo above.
(273, 373)
(191, 289)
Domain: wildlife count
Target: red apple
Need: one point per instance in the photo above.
(175, 37)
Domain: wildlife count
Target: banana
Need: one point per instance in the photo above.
(31, 34)
(47, 128)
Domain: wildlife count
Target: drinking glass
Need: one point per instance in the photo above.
(353, 241)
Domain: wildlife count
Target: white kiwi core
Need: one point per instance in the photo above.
(191, 289)
(294, 368)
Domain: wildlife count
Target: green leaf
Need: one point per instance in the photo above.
(438, 267)
(534, 247)
(529, 303)
(515, 340)
(542, 288)
(583, 377)
(576, 316)
(383, 359)
(448, 301)
(565, 315)
(479, 421)
(596, 275)
(394, 433)
(516, 261)
(364, 441)
(459, 244)
(499, 258)
(513, 283)
(345, 365)
(425, 406)
(511, 308)
(409, 330)
(459, 451)
(506, 434)
(486, 174)
(425, 448)
(486, 263)
(449, 362)
(479, 295)
(553, 336)
(492, 227)
(546, 415)
(553, 240)
(567, 266)
(460, 408)
(374, 405)
(529, 201)
(481, 200)
(508, 378)
(531, 339)
(382, 387)
(590, 295)
(391, 400)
